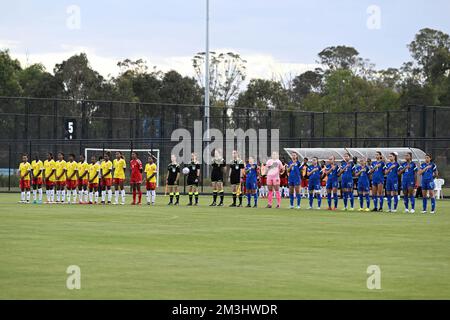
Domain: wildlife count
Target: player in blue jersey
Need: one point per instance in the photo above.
(377, 172)
(391, 172)
(331, 171)
(408, 170)
(314, 173)
(294, 180)
(362, 172)
(346, 172)
(251, 179)
(428, 171)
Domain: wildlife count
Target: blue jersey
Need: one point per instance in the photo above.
(378, 170)
(250, 172)
(393, 173)
(294, 173)
(333, 175)
(428, 174)
(315, 176)
(347, 170)
(410, 170)
(363, 177)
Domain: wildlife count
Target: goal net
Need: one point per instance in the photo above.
(143, 156)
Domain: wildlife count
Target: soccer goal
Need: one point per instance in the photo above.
(88, 152)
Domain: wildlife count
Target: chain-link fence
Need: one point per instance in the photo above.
(29, 125)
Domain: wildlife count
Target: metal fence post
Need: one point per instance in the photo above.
(83, 120)
(55, 119)
(110, 120)
(27, 117)
(9, 166)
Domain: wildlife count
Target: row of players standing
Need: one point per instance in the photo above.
(65, 180)
(371, 176)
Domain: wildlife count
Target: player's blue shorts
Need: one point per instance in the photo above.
(408, 184)
(427, 185)
(250, 185)
(331, 184)
(363, 188)
(294, 181)
(347, 183)
(392, 185)
(313, 185)
(377, 180)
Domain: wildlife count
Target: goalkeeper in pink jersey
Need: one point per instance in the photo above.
(274, 168)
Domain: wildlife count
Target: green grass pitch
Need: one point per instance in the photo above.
(128, 252)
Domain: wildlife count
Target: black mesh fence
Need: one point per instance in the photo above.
(29, 125)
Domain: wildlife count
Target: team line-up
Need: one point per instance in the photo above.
(66, 180)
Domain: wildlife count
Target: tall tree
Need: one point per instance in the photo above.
(305, 83)
(38, 83)
(9, 75)
(430, 49)
(263, 94)
(78, 80)
(227, 72)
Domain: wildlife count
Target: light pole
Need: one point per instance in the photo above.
(206, 116)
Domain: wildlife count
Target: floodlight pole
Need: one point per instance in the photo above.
(206, 116)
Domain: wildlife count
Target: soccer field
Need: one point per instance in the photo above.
(128, 252)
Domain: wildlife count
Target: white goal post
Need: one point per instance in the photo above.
(154, 152)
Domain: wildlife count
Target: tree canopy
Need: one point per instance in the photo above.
(344, 82)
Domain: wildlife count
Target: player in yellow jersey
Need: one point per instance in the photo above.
(106, 169)
(50, 177)
(119, 166)
(150, 180)
(61, 178)
(71, 178)
(83, 180)
(93, 177)
(24, 182)
(37, 167)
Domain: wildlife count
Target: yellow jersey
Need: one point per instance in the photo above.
(72, 168)
(119, 168)
(25, 167)
(93, 169)
(49, 166)
(149, 170)
(82, 168)
(106, 166)
(37, 166)
(60, 167)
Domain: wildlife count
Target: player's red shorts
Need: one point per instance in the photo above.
(24, 184)
(61, 183)
(71, 184)
(118, 180)
(37, 181)
(323, 183)
(107, 182)
(150, 185)
(304, 183)
(136, 178)
(49, 183)
(283, 181)
(93, 185)
(264, 180)
(83, 182)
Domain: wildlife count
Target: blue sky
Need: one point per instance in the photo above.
(274, 36)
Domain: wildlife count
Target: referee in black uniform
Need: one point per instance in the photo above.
(173, 174)
(218, 163)
(236, 167)
(193, 179)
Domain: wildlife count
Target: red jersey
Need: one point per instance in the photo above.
(136, 168)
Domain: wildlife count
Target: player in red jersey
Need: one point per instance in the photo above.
(136, 177)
